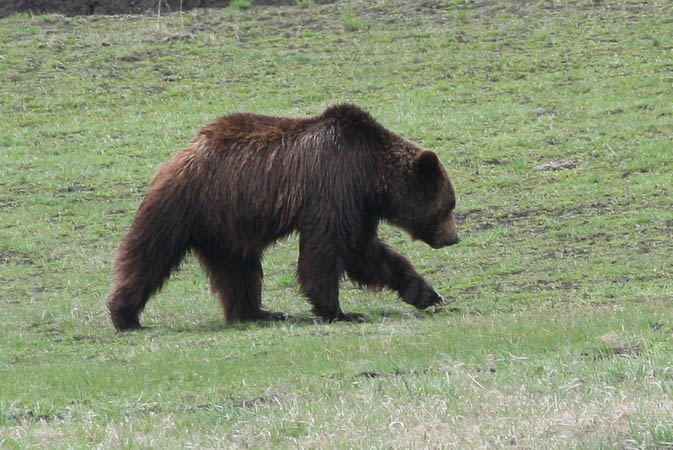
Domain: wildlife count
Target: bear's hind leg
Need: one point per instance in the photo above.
(238, 284)
(138, 278)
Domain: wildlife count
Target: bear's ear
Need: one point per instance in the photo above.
(428, 166)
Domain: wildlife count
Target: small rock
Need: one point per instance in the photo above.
(561, 164)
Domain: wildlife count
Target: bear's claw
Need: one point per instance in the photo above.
(421, 295)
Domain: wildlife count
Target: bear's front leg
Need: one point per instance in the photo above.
(376, 265)
(319, 272)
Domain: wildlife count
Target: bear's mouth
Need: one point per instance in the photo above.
(445, 241)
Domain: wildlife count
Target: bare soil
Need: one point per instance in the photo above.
(107, 7)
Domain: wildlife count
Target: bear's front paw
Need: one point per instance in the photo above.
(352, 317)
(429, 297)
(421, 295)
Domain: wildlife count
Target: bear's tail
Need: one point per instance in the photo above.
(154, 247)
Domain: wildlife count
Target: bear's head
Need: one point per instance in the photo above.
(424, 207)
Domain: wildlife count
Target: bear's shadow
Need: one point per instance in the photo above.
(374, 316)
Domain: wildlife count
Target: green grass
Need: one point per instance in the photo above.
(240, 4)
(351, 21)
(305, 3)
(560, 335)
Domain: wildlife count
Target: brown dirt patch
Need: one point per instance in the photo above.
(15, 257)
(106, 7)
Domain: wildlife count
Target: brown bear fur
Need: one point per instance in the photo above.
(248, 180)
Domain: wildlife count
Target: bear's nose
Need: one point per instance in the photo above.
(453, 241)
(446, 241)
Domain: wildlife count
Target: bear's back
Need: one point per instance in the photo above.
(245, 125)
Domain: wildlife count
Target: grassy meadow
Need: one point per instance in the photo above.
(560, 333)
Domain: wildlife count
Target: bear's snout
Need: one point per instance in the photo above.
(446, 234)
(445, 241)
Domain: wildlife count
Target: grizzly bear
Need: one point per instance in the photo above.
(248, 180)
